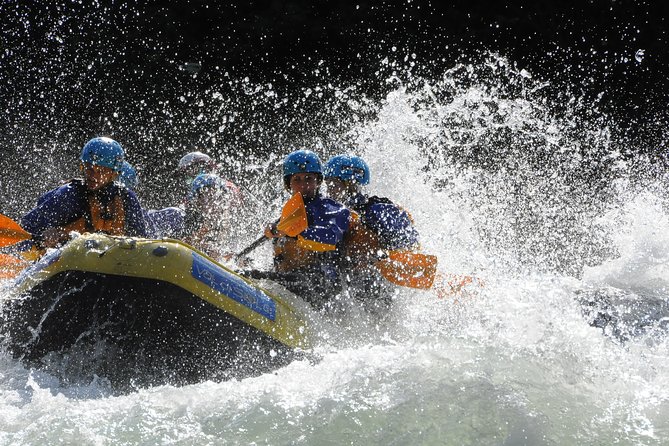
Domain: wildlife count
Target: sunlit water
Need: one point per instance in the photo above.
(535, 203)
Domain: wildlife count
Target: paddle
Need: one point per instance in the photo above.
(409, 269)
(416, 270)
(292, 222)
(11, 232)
(11, 266)
(293, 216)
(446, 285)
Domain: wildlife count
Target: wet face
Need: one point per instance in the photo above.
(305, 183)
(97, 177)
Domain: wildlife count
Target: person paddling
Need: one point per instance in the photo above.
(308, 264)
(92, 204)
(209, 215)
(205, 221)
(379, 226)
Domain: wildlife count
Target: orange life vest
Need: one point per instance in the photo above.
(289, 255)
(109, 219)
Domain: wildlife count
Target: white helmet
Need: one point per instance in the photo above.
(196, 158)
(193, 164)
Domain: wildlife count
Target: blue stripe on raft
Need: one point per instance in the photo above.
(232, 286)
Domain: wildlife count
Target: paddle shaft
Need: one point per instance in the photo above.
(251, 247)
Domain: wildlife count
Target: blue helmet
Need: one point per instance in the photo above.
(348, 168)
(103, 151)
(302, 161)
(206, 180)
(128, 176)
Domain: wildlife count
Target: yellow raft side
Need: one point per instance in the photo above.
(175, 262)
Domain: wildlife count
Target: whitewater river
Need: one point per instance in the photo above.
(561, 341)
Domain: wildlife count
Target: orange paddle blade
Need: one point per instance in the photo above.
(11, 232)
(409, 269)
(447, 285)
(293, 216)
(11, 266)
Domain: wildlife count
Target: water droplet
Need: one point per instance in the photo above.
(639, 55)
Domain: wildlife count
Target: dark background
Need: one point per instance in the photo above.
(72, 70)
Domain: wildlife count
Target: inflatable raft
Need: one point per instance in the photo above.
(145, 312)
